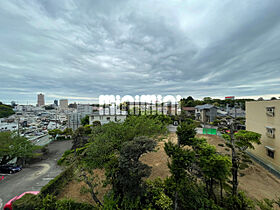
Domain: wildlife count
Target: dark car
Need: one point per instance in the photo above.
(9, 168)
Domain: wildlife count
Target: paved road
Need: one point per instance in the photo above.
(43, 140)
(35, 176)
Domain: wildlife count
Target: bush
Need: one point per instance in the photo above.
(241, 201)
(27, 202)
(54, 186)
(72, 205)
(45, 150)
(96, 123)
(60, 138)
(48, 202)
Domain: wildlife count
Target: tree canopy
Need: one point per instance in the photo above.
(12, 146)
(6, 111)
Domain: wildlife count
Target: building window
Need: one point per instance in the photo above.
(270, 111)
(270, 132)
(270, 151)
(108, 118)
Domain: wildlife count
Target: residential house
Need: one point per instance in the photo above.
(107, 117)
(206, 113)
(189, 111)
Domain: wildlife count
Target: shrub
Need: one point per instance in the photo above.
(96, 123)
(48, 202)
(72, 205)
(60, 138)
(54, 186)
(27, 202)
(45, 150)
(241, 201)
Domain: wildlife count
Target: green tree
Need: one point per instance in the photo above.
(96, 123)
(238, 143)
(68, 132)
(12, 146)
(85, 120)
(181, 160)
(127, 177)
(185, 132)
(54, 132)
(81, 137)
(214, 167)
(6, 110)
(155, 195)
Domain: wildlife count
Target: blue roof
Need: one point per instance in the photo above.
(205, 106)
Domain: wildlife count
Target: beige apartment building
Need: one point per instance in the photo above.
(63, 104)
(264, 117)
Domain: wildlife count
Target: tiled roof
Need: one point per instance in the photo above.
(205, 106)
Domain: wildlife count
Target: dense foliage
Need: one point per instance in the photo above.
(49, 202)
(190, 102)
(6, 111)
(12, 146)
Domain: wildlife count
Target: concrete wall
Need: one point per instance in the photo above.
(257, 120)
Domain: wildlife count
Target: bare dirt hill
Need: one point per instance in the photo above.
(257, 183)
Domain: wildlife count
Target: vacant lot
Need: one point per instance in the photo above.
(257, 183)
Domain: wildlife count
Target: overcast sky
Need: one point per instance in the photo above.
(81, 49)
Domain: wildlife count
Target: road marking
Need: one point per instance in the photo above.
(5, 174)
(1, 203)
(47, 178)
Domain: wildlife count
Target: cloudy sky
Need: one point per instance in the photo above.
(81, 49)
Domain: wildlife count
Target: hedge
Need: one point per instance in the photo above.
(34, 202)
(27, 202)
(73, 205)
(55, 185)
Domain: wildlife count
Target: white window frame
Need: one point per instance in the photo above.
(269, 149)
(270, 111)
(270, 132)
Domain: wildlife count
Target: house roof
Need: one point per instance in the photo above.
(188, 108)
(205, 106)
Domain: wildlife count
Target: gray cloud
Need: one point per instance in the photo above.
(87, 48)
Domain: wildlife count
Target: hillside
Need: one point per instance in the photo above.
(258, 183)
(5, 111)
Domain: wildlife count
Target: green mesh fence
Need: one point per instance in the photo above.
(211, 131)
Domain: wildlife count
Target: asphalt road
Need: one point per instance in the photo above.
(43, 140)
(35, 176)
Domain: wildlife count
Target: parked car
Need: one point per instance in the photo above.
(8, 168)
(8, 206)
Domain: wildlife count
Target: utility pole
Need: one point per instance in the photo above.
(56, 119)
(18, 125)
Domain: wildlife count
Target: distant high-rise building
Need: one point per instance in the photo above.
(63, 103)
(40, 100)
(55, 102)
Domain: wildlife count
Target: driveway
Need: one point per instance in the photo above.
(35, 176)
